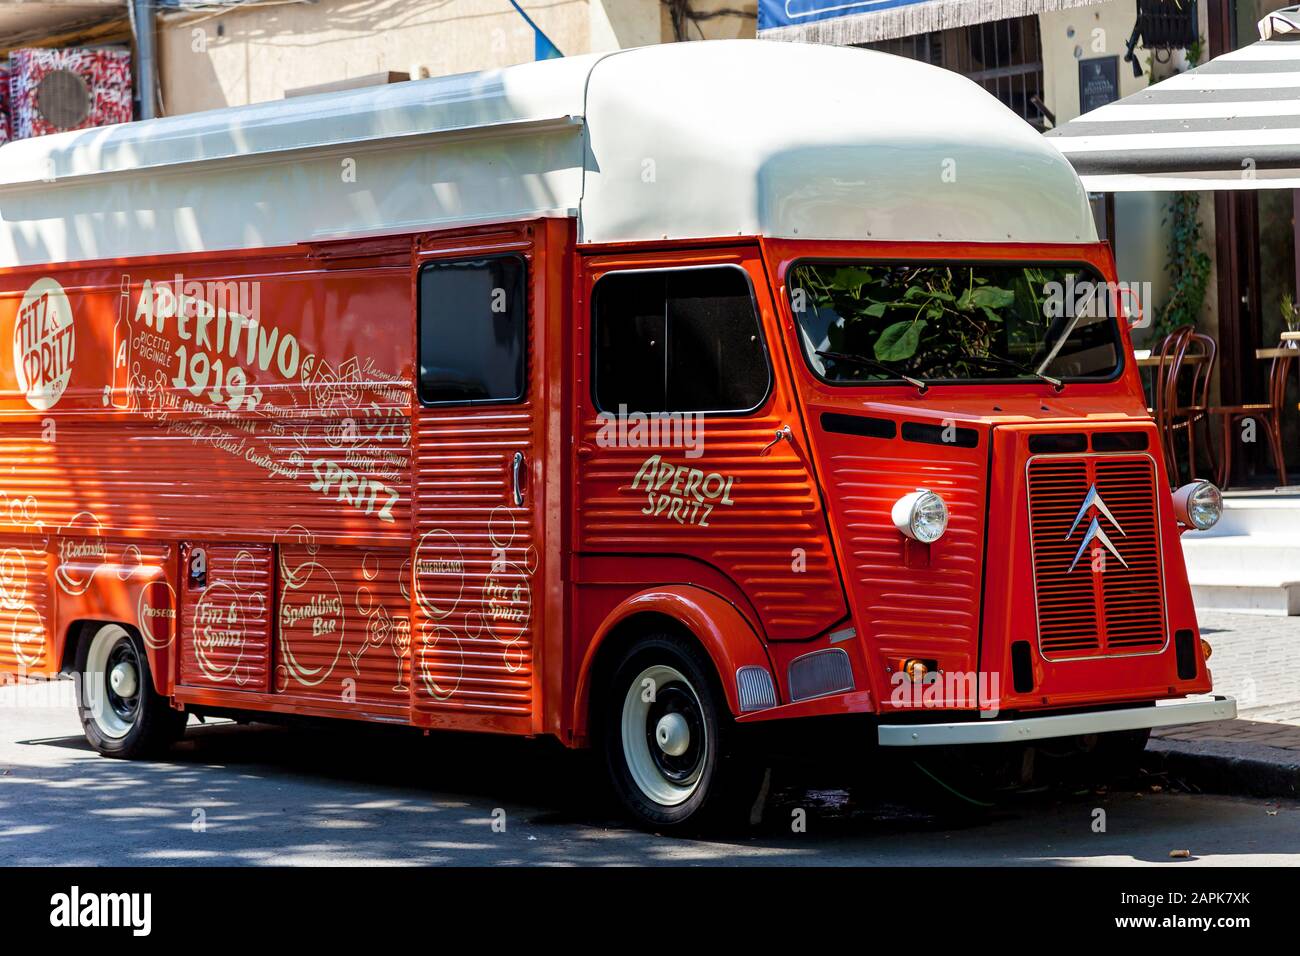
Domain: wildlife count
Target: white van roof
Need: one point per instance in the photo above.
(682, 140)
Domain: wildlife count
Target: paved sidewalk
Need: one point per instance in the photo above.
(1241, 730)
(1256, 660)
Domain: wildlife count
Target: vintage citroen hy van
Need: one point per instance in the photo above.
(638, 400)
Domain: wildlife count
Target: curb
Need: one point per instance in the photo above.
(1219, 766)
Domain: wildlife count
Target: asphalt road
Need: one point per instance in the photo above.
(254, 795)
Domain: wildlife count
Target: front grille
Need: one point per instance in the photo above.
(1100, 607)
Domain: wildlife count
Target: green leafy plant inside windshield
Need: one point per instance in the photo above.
(931, 321)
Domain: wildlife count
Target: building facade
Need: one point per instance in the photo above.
(1047, 60)
(254, 52)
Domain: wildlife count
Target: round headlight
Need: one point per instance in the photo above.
(922, 516)
(1198, 505)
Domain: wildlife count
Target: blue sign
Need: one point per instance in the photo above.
(789, 13)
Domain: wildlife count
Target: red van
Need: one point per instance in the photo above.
(631, 399)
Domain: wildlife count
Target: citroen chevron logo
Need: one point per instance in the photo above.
(1095, 533)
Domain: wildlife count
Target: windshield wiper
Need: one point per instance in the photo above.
(1056, 383)
(862, 360)
(1069, 330)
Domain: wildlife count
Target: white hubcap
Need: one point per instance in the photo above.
(99, 678)
(122, 679)
(673, 734)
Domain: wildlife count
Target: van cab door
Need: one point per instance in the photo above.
(691, 460)
(480, 479)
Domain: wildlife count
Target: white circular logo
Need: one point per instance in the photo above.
(44, 344)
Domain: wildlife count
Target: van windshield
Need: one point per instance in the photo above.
(879, 322)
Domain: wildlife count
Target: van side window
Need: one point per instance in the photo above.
(473, 330)
(683, 340)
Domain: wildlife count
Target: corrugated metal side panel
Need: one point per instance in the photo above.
(184, 479)
(913, 611)
(24, 603)
(344, 624)
(475, 558)
(226, 626)
(769, 536)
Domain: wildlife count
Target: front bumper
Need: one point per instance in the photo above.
(1164, 714)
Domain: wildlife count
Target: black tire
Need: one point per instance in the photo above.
(139, 723)
(713, 783)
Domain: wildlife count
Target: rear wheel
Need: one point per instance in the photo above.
(670, 743)
(121, 713)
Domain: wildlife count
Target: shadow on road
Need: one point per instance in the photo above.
(233, 794)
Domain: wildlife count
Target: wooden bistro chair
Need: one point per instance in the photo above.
(1163, 353)
(1197, 355)
(1163, 385)
(1268, 415)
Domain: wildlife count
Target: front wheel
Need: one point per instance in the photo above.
(121, 713)
(670, 743)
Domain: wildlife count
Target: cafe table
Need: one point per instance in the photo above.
(1145, 359)
(1283, 352)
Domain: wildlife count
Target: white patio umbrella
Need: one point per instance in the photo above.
(1233, 123)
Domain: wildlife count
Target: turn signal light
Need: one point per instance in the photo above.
(1206, 650)
(915, 670)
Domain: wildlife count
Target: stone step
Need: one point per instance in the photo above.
(1256, 514)
(1243, 597)
(1275, 556)
(1250, 561)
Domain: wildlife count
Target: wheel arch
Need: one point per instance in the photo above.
(82, 629)
(726, 636)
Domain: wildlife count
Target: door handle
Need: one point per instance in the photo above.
(782, 434)
(517, 472)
